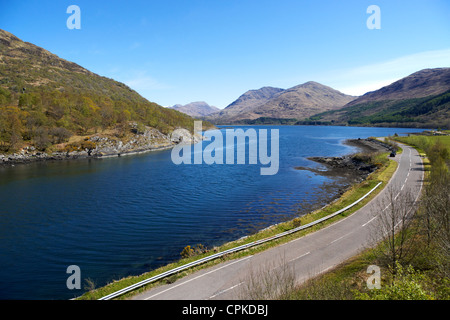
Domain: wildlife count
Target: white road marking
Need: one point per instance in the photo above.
(335, 240)
(305, 254)
(365, 224)
(173, 287)
(223, 291)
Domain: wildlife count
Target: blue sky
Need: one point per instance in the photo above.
(180, 51)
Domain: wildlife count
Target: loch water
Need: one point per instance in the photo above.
(123, 216)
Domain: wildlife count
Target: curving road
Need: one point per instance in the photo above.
(306, 256)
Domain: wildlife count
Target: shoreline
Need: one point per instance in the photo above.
(24, 159)
(352, 167)
(105, 147)
(348, 170)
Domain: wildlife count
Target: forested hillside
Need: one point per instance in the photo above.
(45, 100)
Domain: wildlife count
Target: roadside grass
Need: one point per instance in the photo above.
(422, 142)
(382, 174)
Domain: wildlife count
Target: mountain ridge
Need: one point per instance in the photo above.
(416, 85)
(299, 102)
(421, 99)
(196, 109)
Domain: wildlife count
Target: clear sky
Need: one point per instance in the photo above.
(180, 51)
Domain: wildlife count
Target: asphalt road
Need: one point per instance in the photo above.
(304, 257)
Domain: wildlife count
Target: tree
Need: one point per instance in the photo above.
(59, 135)
(41, 139)
(5, 97)
(394, 227)
(11, 127)
(436, 214)
(272, 281)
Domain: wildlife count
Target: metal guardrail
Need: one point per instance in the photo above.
(223, 253)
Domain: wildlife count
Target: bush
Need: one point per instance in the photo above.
(297, 222)
(189, 251)
(408, 284)
(85, 145)
(60, 135)
(41, 139)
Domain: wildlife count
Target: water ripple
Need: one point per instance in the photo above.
(120, 216)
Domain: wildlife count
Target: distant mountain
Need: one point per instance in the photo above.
(421, 99)
(274, 103)
(303, 100)
(45, 99)
(246, 102)
(196, 109)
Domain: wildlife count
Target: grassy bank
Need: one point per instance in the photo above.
(382, 174)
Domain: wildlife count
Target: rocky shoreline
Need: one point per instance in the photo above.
(105, 147)
(351, 167)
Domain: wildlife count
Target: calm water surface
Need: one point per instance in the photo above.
(124, 216)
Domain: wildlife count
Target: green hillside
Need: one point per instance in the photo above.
(420, 100)
(46, 100)
(428, 112)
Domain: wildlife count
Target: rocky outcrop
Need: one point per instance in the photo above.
(184, 136)
(354, 167)
(29, 154)
(108, 146)
(346, 166)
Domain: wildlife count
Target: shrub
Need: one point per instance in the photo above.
(60, 135)
(85, 145)
(41, 139)
(189, 251)
(408, 284)
(296, 223)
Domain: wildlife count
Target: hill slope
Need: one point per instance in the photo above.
(273, 103)
(45, 100)
(246, 102)
(303, 100)
(421, 99)
(196, 109)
